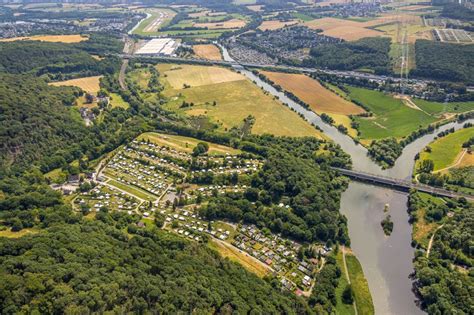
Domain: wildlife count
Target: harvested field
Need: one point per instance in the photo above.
(255, 8)
(227, 98)
(310, 91)
(233, 23)
(345, 29)
(178, 76)
(274, 25)
(89, 84)
(208, 51)
(50, 38)
(199, 14)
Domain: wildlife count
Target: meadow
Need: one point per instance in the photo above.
(185, 144)
(235, 99)
(392, 118)
(438, 109)
(360, 286)
(446, 150)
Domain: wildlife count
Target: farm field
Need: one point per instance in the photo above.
(207, 51)
(89, 84)
(271, 25)
(319, 98)
(50, 38)
(446, 150)
(392, 118)
(235, 99)
(230, 24)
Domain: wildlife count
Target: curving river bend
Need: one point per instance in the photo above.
(386, 261)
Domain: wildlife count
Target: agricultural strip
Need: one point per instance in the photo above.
(50, 38)
(88, 84)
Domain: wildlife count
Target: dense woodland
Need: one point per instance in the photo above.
(443, 281)
(366, 53)
(97, 267)
(444, 61)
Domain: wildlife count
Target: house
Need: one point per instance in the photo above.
(73, 179)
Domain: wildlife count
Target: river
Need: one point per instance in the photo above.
(386, 261)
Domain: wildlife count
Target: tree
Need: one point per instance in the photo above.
(17, 225)
(200, 149)
(347, 295)
(426, 166)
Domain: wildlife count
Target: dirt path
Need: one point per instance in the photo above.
(431, 241)
(121, 78)
(346, 271)
(457, 162)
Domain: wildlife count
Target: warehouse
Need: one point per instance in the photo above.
(159, 46)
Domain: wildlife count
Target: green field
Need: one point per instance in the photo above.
(360, 286)
(392, 118)
(140, 193)
(445, 150)
(117, 101)
(154, 12)
(435, 108)
(342, 308)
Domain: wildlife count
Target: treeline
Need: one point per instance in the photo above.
(94, 267)
(58, 61)
(367, 53)
(444, 61)
(443, 281)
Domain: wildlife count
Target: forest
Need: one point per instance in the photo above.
(443, 282)
(366, 53)
(96, 266)
(444, 61)
(59, 61)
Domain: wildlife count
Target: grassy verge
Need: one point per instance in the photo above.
(341, 307)
(360, 286)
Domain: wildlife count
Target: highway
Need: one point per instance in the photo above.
(354, 74)
(400, 184)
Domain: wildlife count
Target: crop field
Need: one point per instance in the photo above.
(310, 91)
(88, 84)
(446, 151)
(185, 144)
(271, 25)
(207, 51)
(345, 29)
(50, 38)
(194, 76)
(392, 118)
(230, 24)
(453, 36)
(235, 98)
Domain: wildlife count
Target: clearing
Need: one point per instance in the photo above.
(234, 254)
(235, 99)
(445, 150)
(186, 144)
(207, 51)
(89, 84)
(50, 38)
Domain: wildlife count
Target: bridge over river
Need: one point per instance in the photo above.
(400, 184)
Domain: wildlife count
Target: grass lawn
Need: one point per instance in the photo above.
(239, 257)
(341, 307)
(436, 108)
(236, 98)
(132, 190)
(186, 144)
(359, 285)
(445, 150)
(117, 101)
(392, 118)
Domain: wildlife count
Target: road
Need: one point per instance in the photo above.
(354, 74)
